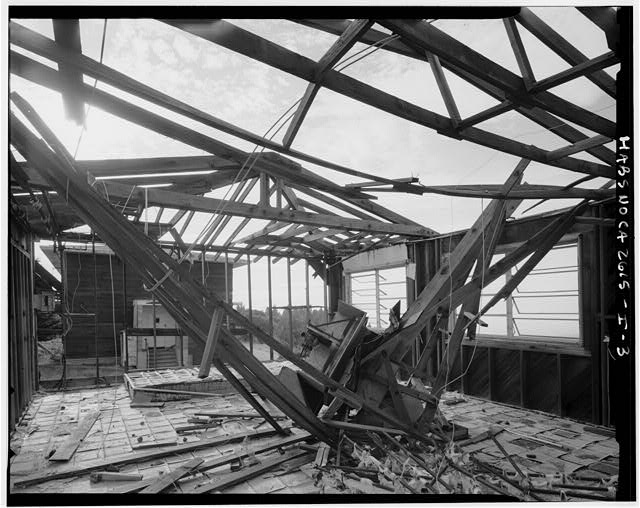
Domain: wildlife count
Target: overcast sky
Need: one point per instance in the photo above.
(252, 96)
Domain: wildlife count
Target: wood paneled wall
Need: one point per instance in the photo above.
(570, 383)
(23, 347)
(79, 288)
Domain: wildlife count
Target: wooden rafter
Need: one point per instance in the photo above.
(253, 46)
(563, 48)
(524, 191)
(40, 45)
(580, 146)
(240, 193)
(67, 35)
(430, 38)
(340, 48)
(443, 86)
(583, 69)
(605, 19)
(535, 114)
(519, 52)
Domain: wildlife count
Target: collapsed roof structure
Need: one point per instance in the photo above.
(357, 379)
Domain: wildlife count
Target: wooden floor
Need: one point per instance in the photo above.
(543, 445)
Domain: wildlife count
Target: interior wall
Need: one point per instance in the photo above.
(571, 383)
(23, 354)
(79, 288)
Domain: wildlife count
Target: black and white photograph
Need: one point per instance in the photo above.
(361, 254)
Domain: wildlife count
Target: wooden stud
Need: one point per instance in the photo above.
(580, 146)
(166, 480)
(443, 86)
(563, 48)
(520, 52)
(212, 342)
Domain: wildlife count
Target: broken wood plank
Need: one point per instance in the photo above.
(246, 474)
(362, 427)
(212, 341)
(153, 444)
(108, 476)
(577, 147)
(217, 414)
(224, 460)
(145, 404)
(133, 458)
(196, 427)
(166, 480)
(322, 455)
(69, 447)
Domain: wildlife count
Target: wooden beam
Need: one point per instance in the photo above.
(563, 48)
(523, 191)
(240, 193)
(67, 34)
(223, 460)
(40, 45)
(269, 228)
(487, 114)
(443, 86)
(253, 46)
(272, 163)
(471, 304)
(166, 480)
(520, 52)
(537, 115)
(233, 234)
(160, 197)
(231, 479)
(212, 342)
(69, 447)
(430, 38)
(604, 18)
(328, 60)
(580, 146)
(451, 273)
(133, 458)
(583, 69)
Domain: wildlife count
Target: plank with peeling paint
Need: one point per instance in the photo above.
(69, 447)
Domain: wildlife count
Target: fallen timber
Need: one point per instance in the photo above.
(174, 287)
(183, 297)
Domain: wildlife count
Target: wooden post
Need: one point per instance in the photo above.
(212, 341)
(95, 305)
(326, 289)
(509, 305)
(377, 283)
(226, 282)
(290, 303)
(250, 300)
(155, 335)
(270, 304)
(306, 288)
(124, 316)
